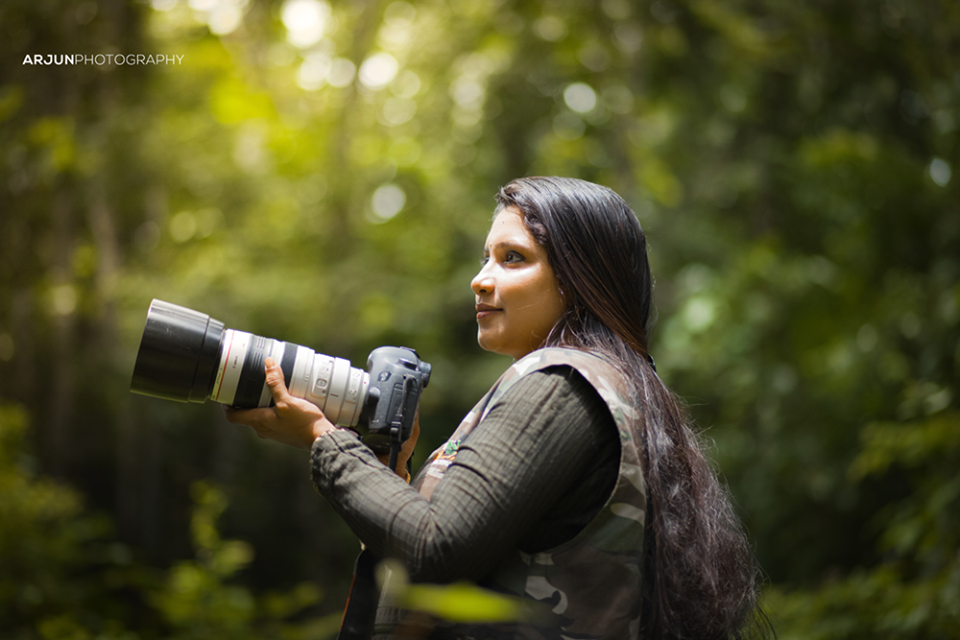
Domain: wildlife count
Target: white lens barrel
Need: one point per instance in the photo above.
(302, 375)
(338, 389)
(330, 383)
(233, 353)
(357, 386)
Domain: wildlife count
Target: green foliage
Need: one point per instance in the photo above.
(871, 604)
(458, 602)
(66, 577)
(199, 602)
(794, 166)
(62, 575)
(915, 591)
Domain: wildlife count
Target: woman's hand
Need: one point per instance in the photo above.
(293, 421)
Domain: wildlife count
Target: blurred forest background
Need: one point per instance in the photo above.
(323, 171)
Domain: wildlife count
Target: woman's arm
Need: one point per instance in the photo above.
(546, 437)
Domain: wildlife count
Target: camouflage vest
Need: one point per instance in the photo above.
(591, 583)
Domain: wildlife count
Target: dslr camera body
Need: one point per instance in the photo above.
(188, 356)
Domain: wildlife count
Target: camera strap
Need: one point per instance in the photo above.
(398, 423)
(361, 608)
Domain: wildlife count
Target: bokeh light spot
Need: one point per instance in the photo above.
(378, 70)
(388, 201)
(580, 97)
(305, 20)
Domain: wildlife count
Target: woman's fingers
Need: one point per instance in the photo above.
(278, 387)
(291, 420)
(248, 417)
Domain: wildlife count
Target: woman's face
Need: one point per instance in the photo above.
(518, 297)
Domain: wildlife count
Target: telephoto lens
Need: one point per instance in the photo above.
(188, 356)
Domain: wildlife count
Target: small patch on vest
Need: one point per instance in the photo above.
(449, 451)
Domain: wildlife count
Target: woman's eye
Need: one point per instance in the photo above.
(509, 257)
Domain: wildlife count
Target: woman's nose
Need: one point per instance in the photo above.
(482, 282)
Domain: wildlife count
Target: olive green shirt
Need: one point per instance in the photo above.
(530, 476)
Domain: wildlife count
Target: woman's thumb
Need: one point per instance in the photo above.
(275, 379)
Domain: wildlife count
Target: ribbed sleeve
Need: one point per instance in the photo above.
(531, 475)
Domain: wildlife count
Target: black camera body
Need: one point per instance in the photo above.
(397, 377)
(188, 356)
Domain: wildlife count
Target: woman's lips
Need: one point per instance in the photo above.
(485, 311)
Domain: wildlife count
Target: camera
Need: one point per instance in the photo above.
(188, 356)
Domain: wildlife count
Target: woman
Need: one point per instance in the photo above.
(576, 481)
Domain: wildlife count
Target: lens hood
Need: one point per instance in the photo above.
(178, 354)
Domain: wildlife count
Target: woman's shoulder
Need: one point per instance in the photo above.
(546, 385)
(553, 356)
(590, 365)
(603, 376)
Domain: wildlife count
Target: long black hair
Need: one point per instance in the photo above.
(700, 577)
